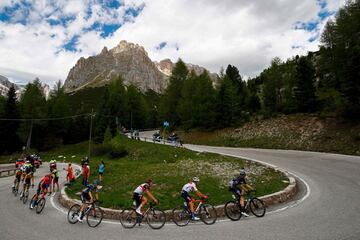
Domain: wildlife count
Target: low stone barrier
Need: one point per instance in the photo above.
(271, 199)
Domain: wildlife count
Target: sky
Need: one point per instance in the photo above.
(45, 38)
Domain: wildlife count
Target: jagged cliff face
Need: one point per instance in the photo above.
(166, 66)
(126, 59)
(129, 60)
(5, 85)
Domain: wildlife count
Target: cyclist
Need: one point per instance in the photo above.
(28, 175)
(139, 198)
(17, 179)
(55, 180)
(191, 187)
(43, 186)
(86, 195)
(239, 186)
(52, 164)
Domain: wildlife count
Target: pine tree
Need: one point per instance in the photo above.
(33, 106)
(172, 94)
(9, 141)
(186, 104)
(227, 103)
(304, 85)
(203, 102)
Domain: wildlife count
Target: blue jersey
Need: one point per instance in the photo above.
(88, 188)
(101, 168)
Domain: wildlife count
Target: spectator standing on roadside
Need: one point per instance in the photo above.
(101, 170)
(69, 176)
(86, 174)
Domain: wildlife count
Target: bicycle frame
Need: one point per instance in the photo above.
(89, 207)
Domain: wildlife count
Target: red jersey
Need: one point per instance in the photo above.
(85, 171)
(46, 180)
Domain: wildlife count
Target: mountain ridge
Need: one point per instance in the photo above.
(129, 60)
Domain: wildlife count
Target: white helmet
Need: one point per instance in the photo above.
(196, 179)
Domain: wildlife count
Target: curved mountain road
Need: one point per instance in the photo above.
(330, 211)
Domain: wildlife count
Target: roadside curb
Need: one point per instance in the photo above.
(269, 200)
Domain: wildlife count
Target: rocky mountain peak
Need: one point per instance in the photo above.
(129, 60)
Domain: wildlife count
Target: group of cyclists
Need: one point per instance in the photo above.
(238, 186)
(25, 175)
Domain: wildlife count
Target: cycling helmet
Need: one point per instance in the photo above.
(196, 179)
(27, 161)
(96, 182)
(242, 172)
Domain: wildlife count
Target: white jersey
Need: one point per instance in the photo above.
(142, 188)
(189, 187)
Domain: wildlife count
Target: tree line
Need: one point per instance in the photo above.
(326, 81)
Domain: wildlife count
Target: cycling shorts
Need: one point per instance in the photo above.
(56, 179)
(185, 195)
(236, 191)
(27, 180)
(85, 197)
(137, 198)
(41, 186)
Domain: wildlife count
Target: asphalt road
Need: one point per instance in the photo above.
(330, 208)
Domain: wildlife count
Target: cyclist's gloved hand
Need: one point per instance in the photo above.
(156, 201)
(205, 197)
(32, 185)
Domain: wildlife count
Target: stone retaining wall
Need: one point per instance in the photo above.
(271, 199)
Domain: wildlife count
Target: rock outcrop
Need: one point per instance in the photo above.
(5, 85)
(129, 60)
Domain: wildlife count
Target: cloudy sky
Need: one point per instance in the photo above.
(45, 38)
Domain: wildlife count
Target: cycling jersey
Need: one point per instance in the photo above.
(88, 188)
(189, 187)
(142, 188)
(46, 180)
(56, 174)
(19, 172)
(237, 181)
(27, 167)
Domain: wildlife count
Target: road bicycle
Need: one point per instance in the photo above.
(24, 195)
(155, 218)
(94, 214)
(255, 205)
(181, 214)
(38, 204)
(15, 188)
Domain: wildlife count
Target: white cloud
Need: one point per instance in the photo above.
(211, 33)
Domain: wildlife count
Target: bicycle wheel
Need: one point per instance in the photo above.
(232, 210)
(156, 218)
(128, 218)
(94, 216)
(15, 192)
(257, 207)
(181, 216)
(40, 205)
(21, 195)
(25, 197)
(73, 214)
(207, 214)
(32, 202)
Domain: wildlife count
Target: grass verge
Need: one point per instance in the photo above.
(170, 168)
